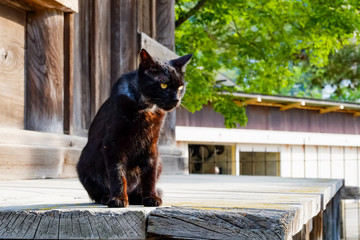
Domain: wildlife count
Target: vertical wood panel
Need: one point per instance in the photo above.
(45, 71)
(68, 71)
(165, 23)
(81, 111)
(124, 37)
(298, 164)
(350, 171)
(165, 34)
(12, 44)
(324, 162)
(100, 54)
(311, 162)
(337, 162)
(285, 161)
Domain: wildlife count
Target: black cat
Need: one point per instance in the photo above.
(120, 163)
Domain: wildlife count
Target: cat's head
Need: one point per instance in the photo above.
(162, 83)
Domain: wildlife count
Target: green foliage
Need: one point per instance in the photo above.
(275, 47)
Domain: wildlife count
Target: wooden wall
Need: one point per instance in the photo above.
(270, 118)
(12, 73)
(106, 45)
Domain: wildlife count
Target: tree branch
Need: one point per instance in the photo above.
(191, 12)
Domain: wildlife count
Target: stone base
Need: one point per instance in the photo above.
(173, 160)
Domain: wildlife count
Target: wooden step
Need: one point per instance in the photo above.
(195, 206)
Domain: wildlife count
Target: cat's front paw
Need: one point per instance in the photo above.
(117, 202)
(152, 201)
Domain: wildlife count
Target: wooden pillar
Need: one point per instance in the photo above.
(165, 34)
(317, 231)
(45, 70)
(68, 71)
(332, 218)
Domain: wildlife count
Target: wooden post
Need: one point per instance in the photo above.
(165, 34)
(45, 70)
(317, 231)
(332, 218)
(68, 71)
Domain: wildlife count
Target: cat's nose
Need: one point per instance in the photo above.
(175, 101)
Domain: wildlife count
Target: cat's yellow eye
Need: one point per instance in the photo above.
(181, 88)
(163, 85)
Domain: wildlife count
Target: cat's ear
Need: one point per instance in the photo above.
(146, 59)
(181, 62)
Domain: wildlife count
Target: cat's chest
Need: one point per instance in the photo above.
(149, 122)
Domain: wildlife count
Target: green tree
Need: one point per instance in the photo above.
(272, 45)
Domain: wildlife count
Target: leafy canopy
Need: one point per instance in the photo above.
(267, 46)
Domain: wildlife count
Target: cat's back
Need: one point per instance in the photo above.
(126, 85)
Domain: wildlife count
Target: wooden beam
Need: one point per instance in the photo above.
(292, 105)
(356, 114)
(331, 109)
(253, 101)
(155, 48)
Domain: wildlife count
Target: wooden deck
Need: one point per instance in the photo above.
(195, 206)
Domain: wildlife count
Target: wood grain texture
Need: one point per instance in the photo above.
(196, 206)
(332, 218)
(100, 51)
(29, 154)
(220, 224)
(83, 224)
(68, 72)
(81, 91)
(45, 71)
(270, 118)
(124, 37)
(165, 23)
(12, 76)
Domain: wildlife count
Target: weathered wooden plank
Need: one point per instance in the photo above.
(217, 207)
(100, 51)
(31, 138)
(124, 37)
(221, 224)
(317, 232)
(79, 224)
(147, 17)
(31, 5)
(28, 162)
(68, 72)
(332, 218)
(155, 48)
(81, 92)
(165, 24)
(12, 76)
(45, 71)
(63, 5)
